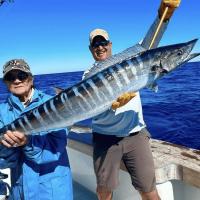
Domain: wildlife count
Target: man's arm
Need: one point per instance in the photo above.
(13, 139)
(8, 156)
(170, 5)
(39, 149)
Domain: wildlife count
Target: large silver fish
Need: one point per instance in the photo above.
(95, 94)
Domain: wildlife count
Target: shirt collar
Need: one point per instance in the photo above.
(14, 101)
(29, 100)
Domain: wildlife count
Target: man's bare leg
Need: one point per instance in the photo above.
(153, 195)
(103, 193)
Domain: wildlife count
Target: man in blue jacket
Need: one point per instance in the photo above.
(39, 163)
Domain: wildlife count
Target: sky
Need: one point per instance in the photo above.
(53, 35)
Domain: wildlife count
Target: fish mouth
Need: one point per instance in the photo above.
(191, 56)
(192, 42)
(190, 45)
(187, 48)
(180, 55)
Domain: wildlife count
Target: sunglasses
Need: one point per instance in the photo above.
(11, 77)
(100, 43)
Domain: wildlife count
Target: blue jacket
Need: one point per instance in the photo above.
(40, 170)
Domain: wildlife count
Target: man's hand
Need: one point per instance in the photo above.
(122, 100)
(13, 139)
(171, 4)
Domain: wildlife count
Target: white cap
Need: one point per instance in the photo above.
(98, 32)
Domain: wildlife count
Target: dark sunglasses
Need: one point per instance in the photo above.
(11, 77)
(100, 43)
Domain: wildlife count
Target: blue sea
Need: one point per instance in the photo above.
(172, 114)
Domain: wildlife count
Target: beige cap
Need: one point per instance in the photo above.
(18, 64)
(99, 32)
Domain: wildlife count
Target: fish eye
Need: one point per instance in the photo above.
(180, 52)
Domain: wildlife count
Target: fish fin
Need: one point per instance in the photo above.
(80, 129)
(58, 90)
(153, 86)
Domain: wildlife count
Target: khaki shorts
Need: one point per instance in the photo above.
(136, 154)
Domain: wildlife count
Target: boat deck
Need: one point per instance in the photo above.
(177, 172)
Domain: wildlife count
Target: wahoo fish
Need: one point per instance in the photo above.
(96, 93)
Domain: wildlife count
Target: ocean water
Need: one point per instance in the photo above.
(172, 114)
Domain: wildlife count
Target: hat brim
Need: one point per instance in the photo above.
(16, 68)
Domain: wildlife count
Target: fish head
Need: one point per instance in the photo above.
(178, 54)
(172, 56)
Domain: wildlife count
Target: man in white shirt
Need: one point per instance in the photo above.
(119, 134)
